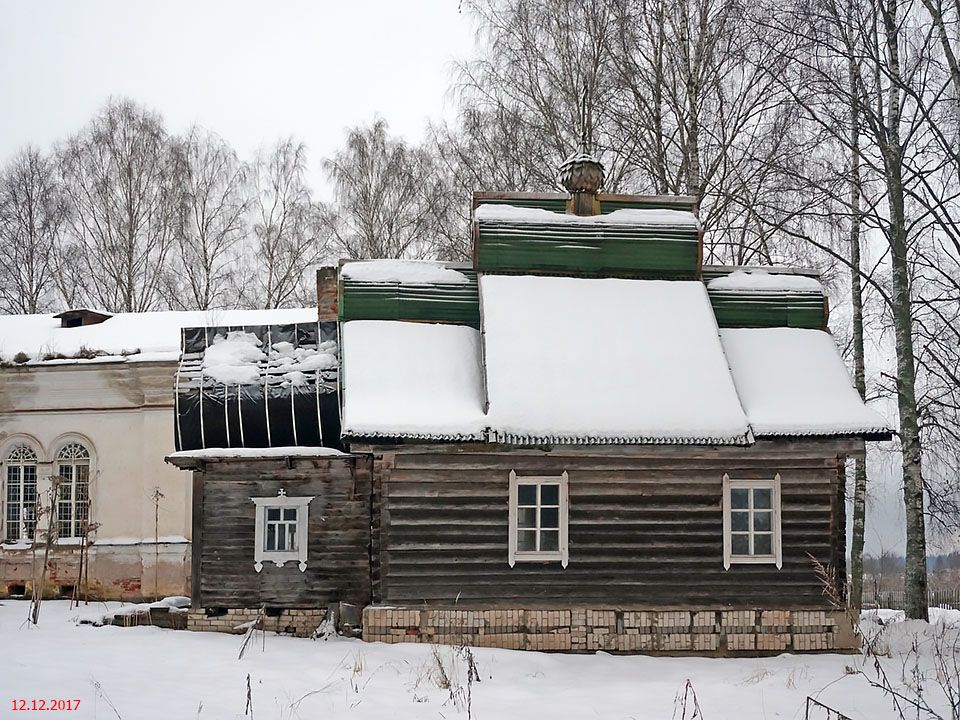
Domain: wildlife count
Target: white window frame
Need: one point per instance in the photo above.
(20, 456)
(74, 454)
(278, 558)
(562, 554)
(776, 557)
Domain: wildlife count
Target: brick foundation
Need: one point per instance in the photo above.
(299, 623)
(701, 632)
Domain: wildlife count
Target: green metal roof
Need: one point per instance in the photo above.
(449, 303)
(744, 309)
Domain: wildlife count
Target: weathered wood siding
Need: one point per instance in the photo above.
(645, 528)
(338, 534)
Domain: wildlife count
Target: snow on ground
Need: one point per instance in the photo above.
(147, 673)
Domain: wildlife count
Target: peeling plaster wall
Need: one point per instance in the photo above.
(123, 413)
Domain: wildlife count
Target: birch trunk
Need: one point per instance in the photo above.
(915, 576)
(856, 298)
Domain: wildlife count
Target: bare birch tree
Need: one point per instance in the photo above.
(32, 215)
(866, 56)
(548, 63)
(286, 235)
(213, 223)
(119, 177)
(383, 197)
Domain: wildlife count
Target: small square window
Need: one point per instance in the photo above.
(538, 519)
(751, 521)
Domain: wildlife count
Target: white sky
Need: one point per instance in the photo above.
(251, 71)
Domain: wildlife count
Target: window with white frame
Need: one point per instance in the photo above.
(281, 530)
(538, 519)
(21, 496)
(73, 491)
(751, 521)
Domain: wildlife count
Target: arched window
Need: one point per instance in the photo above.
(21, 463)
(73, 491)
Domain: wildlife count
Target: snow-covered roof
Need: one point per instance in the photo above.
(258, 386)
(496, 212)
(794, 382)
(572, 360)
(765, 282)
(255, 453)
(148, 336)
(402, 271)
(414, 380)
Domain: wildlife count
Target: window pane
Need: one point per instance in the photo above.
(66, 471)
(550, 518)
(290, 514)
(761, 498)
(740, 499)
(292, 536)
(740, 521)
(526, 540)
(66, 491)
(762, 545)
(740, 544)
(273, 513)
(271, 543)
(550, 540)
(83, 472)
(526, 517)
(549, 494)
(761, 521)
(526, 494)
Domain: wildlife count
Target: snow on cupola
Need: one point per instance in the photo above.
(582, 176)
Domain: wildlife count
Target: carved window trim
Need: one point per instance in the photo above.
(279, 558)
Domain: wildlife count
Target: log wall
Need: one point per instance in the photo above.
(338, 533)
(645, 527)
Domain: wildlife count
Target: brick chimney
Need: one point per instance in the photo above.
(327, 293)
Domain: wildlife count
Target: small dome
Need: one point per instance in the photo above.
(581, 173)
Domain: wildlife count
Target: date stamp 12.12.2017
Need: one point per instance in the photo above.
(43, 705)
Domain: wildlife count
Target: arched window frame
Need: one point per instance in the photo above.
(20, 493)
(72, 467)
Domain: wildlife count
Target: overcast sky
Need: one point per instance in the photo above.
(255, 72)
(251, 71)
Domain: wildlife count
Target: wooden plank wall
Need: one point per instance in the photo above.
(644, 530)
(339, 532)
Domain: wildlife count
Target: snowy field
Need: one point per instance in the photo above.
(146, 673)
